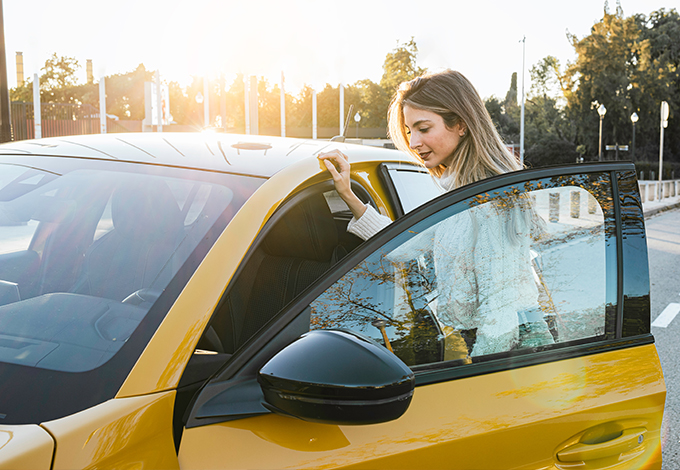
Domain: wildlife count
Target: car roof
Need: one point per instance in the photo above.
(252, 155)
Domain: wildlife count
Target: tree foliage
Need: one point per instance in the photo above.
(629, 64)
(400, 66)
(125, 95)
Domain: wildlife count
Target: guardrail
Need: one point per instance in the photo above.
(650, 190)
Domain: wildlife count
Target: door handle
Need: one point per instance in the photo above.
(628, 440)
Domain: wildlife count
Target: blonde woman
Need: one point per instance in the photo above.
(481, 256)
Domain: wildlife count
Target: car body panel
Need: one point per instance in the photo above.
(25, 446)
(120, 433)
(253, 155)
(509, 419)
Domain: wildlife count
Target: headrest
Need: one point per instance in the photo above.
(306, 231)
(145, 211)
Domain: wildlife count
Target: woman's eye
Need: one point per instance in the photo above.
(423, 131)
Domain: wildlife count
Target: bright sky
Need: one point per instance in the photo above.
(312, 41)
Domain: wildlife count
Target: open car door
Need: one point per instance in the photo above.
(519, 303)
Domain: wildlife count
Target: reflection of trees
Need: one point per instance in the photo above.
(396, 293)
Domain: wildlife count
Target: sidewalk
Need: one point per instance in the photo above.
(651, 208)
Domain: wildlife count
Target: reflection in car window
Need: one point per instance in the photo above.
(519, 268)
(16, 180)
(86, 254)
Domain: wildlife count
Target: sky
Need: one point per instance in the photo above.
(313, 42)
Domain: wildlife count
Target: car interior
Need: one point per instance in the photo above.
(74, 255)
(304, 239)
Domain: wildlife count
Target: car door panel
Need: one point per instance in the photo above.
(510, 419)
(594, 402)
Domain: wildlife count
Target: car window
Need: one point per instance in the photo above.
(413, 185)
(93, 255)
(523, 268)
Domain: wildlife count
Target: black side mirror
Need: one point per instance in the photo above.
(337, 377)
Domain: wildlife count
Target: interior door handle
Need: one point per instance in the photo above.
(628, 440)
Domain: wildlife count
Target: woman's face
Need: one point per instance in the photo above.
(430, 137)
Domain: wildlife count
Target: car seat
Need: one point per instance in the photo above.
(147, 227)
(300, 248)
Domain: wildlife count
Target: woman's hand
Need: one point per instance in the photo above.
(338, 165)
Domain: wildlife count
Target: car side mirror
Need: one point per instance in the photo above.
(337, 377)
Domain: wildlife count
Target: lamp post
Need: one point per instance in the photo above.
(634, 119)
(601, 111)
(664, 124)
(357, 118)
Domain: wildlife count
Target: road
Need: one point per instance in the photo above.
(663, 243)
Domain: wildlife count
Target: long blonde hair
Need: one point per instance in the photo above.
(481, 152)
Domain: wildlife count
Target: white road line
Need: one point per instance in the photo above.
(667, 316)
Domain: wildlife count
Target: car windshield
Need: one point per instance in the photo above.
(87, 248)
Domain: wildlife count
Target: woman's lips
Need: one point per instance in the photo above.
(425, 155)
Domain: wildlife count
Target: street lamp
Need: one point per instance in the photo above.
(601, 111)
(664, 124)
(357, 118)
(634, 118)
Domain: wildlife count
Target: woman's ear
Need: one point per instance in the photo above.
(462, 129)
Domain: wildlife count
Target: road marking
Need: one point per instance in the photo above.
(667, 316)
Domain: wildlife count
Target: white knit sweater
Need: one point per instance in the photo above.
(484, 274)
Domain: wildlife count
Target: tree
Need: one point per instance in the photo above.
(602, 74)
(656, 79)
(125, 93)
(58, 82)
(400, 66)
(372, 103)
(506, 114)
(629, 65)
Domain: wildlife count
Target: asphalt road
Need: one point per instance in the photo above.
(663, 243)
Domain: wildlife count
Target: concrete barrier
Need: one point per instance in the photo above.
(649, 190)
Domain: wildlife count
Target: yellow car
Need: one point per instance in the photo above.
(195, 301)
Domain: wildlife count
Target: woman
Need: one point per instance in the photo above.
(441, 120)
(482, 257)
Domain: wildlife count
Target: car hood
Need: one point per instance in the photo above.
(25, 446)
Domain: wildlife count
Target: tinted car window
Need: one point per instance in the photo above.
(88, 249)
(525, 267)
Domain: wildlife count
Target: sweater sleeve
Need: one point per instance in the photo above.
(370, 223)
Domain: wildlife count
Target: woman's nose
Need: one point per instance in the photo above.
(414, 142)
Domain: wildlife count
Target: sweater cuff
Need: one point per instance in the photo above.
(370, 223)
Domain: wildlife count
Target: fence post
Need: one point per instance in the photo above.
(592, 204)
(575, 200)
(37, 118)
(554, 207)
(102, 105)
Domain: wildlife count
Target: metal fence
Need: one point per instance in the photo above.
(58, 119)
